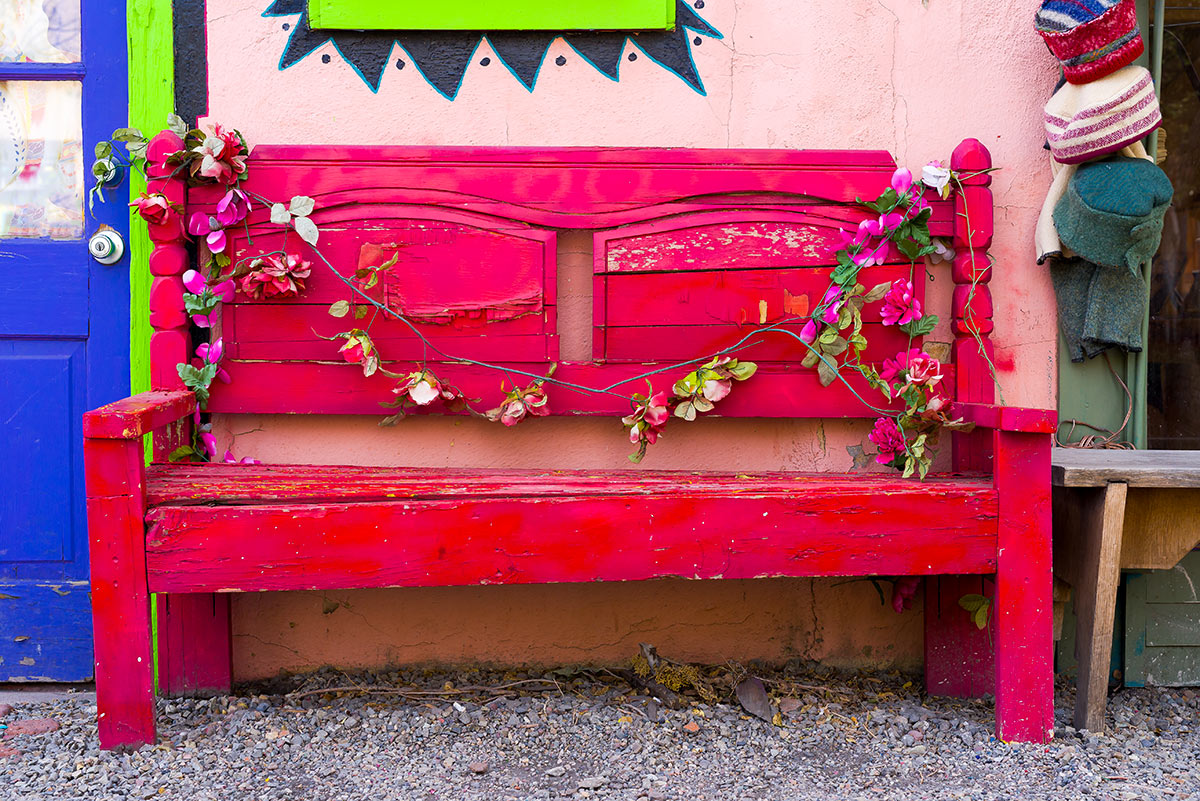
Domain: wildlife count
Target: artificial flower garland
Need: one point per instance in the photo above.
(832, 335)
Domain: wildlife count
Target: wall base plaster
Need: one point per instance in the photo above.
(840, 624)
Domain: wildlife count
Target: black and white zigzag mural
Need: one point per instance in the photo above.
(442, 57)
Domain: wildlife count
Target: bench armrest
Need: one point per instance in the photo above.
(1006, 418)
(135, 417)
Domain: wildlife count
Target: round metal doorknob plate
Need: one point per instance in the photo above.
(106, 247)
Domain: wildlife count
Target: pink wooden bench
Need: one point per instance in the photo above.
(691, 249)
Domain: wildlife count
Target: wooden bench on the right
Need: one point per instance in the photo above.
(1116, 510)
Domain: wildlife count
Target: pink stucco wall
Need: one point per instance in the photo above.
(911, 77)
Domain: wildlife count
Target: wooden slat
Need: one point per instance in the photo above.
(1081, 467)
(307, 388)
(1006, 418)
(137, 416)
(184, 483)
(737, 298)
(848, 530)
(669, 343)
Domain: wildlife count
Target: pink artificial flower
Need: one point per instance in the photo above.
(214, 234)
(833, 302)
(648, 419)
(221, 158)
(902, 180)
(531, 400)
(231, 459)
(352, 351)
(924, 370)
(942, 252)
(885, 224)
(209, 443)
(892, 367)
(153, 208)
(904, 589)
(937, 178)
(194, 282)
(936, 402)
(716, 389)
(224, 290)
(232, 207)
(202, 320)
(917, 204)
(899, 304)
(869, 257)
(272, 276)
(423, 388)
(808, 334)
(859, 236)
(211, 353)
(886, 436)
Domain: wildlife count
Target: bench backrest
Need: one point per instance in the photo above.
(689, 251)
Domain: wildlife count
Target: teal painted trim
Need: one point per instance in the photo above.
(489, 15)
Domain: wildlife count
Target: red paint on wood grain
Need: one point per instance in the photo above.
(527, 537)
(308, 388)
(238, 484)
(195, 655)
(1024, 607)
(131, 418)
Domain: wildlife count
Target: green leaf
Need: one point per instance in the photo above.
(703, 404)
(826, 373)
(846, 271)
(981, 615)
(743, 370)
(339, 309)
(279, 214)
(686, 411)
(837, 346)
(103, 150)
(176, 125)
(180, 453)
(361, 312)
(307, 229)
(971, 602)
(909, 248)
(919, 328)
(877, 292)
(810, 359)
(827, 336)
(301, 205)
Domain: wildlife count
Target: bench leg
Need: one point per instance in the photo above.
(194, 645)
(1023, 612)
(121, 622)
(1097, 579)
(959, 660)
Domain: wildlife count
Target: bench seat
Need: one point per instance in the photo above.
(220, 528)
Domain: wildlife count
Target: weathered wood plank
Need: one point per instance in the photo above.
(134, 417)
(639, 344)
(1083, 467)
(238, 484)
(1023, 606)
(518, 540)
(1097, 574)
(308, 388)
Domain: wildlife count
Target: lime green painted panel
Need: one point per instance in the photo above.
(151, 99)
(493, 15)
(1090, 393)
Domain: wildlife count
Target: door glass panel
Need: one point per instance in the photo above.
(41, 159)
(39, 30)
(1173, 380)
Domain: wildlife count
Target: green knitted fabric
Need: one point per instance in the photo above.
(1098, 307)
(1112, 212)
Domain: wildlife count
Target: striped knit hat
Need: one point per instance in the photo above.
(1085, 122)
(1092, 38)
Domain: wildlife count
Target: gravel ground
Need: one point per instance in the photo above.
(478, 735)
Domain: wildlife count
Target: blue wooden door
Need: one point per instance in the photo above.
(64, 318)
